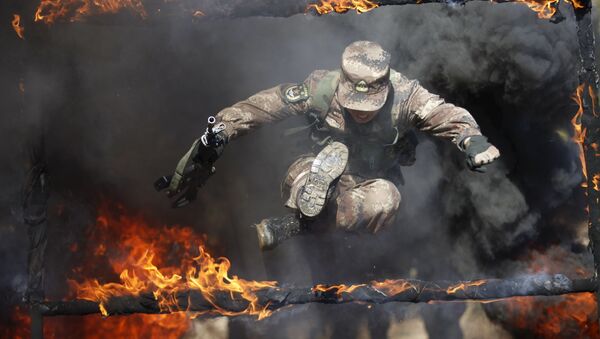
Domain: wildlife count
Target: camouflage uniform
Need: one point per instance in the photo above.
(366, 196)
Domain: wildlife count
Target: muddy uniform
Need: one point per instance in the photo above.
(366, 196)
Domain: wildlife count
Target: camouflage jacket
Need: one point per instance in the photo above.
(375, 144)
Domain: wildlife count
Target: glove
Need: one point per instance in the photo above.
(479, 152)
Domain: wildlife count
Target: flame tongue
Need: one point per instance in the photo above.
(50, 11)
(342, 6)
(392, 287)
(546, 9)
(337, 289)
(461, 286)
(16, 24)
(579, 132)
(212, 277)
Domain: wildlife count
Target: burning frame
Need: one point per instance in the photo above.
(207, 286)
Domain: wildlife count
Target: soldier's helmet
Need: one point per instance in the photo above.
(365, 80)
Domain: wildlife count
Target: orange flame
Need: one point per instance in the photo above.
(546, 9)
(121, 245)
(338, 289)
(21, 324)
(392, 287)
(579, 132)
(572, 315)
(139, 271)
(50, 11)
(213, 278)
(596, 181)
(461, 286)
(16, 24)
(568, 316)
(576, 3)
(594, 98)
(342, 6)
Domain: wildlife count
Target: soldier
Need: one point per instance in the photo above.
(362, 117)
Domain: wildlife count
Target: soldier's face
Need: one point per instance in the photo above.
(362, 117)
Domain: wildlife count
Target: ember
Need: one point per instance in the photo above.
(16, 24)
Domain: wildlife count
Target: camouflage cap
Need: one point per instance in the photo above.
(364, 84)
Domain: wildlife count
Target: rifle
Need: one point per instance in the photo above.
(195, 167)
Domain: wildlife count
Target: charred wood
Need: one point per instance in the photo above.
(156, 11)
(414, 291)
(588, 77)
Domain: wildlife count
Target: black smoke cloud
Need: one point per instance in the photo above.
(119, 104)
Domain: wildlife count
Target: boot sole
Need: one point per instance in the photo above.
(326, 168)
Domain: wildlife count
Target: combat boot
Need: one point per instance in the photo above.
(327, 167)
(272, 231)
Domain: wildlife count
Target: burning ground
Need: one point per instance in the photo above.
(120, 101)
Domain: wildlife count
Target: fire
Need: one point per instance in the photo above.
(594, 98)
(392, 287)
(50, 11)
(21, 323)
(125, 255)
(572, 315)
(546, 9)
(16, 24)
(389, 287)
(337, 289)
(596, 149)
(342, 6)
(579, 133)
(145, 270)
(596, 181)
(461, 286)
(567, 316)
(211, 277)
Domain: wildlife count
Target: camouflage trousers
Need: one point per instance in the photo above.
(359, 204)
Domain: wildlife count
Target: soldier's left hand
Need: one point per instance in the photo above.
(479, 152)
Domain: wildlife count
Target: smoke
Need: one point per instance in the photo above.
(120, 104)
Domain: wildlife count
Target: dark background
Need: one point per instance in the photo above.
(119, 101)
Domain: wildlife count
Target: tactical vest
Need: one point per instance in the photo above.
(373, 151)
